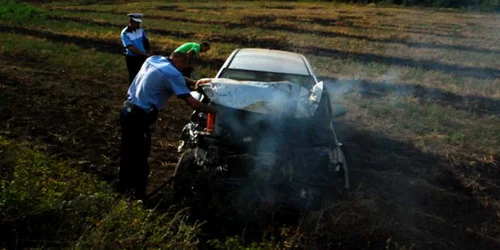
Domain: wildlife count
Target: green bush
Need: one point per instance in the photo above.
(15, 12)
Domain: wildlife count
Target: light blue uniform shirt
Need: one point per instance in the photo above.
(157, 80)
(135, 39)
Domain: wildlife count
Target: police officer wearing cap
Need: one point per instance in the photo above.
(136, 44)
(157, 80)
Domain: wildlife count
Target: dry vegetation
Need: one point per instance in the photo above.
(422, 88)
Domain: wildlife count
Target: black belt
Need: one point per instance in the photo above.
(134, 107)
(148, 116)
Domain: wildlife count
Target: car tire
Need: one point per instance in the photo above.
(185, 174)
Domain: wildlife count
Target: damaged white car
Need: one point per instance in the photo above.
(272, 140)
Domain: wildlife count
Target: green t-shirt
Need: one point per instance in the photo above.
(185, 48)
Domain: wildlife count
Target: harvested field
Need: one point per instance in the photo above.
(422, 89)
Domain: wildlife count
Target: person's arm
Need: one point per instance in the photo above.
(190, 83)
(136, 50)
(145, 41)
(202, 81)
(181, 91)
(190, 54)
(199, 106)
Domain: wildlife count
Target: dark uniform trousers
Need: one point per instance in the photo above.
(136, 126)
(134, 64)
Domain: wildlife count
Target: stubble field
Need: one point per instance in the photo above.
(422, 89)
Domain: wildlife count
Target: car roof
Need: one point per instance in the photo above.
(268, 60)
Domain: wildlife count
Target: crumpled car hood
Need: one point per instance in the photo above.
(274, 98)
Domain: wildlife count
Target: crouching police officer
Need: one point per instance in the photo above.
(158, 79)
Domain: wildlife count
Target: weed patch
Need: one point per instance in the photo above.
(46, 203)
(15, 12)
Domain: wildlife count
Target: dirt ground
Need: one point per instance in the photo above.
(400, 195)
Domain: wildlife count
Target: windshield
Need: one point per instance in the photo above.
(260, 76)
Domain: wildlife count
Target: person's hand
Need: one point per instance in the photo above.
(202, 81)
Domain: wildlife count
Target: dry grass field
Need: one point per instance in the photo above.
(422, 89)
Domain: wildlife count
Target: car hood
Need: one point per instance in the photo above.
(275, 98)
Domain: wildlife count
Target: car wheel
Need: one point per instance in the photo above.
(185, 174)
